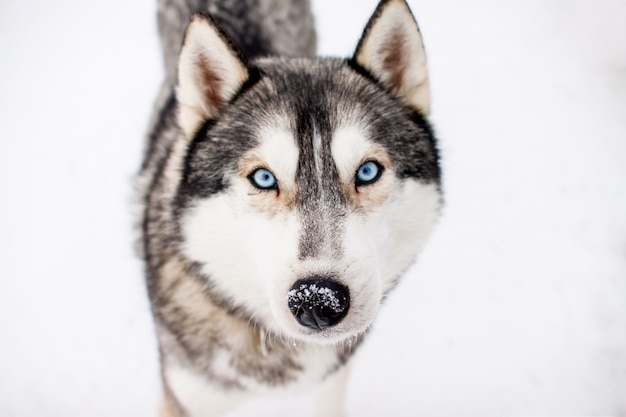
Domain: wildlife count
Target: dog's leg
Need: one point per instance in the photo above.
(331, 395)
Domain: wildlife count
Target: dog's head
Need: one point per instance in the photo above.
(308, 186)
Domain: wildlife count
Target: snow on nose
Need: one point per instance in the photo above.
(318, 303)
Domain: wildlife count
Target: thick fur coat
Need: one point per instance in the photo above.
(283, 196)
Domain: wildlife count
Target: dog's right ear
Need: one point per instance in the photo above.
(210, 72)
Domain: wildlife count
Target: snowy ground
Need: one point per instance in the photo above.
(518, 305)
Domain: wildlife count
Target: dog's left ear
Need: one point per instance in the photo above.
(211, 70)
(391, 49)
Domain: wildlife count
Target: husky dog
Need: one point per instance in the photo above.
(283, 197)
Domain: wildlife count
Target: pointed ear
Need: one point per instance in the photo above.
(210, 72)
(391, 49)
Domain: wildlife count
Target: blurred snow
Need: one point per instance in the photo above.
(517, 306)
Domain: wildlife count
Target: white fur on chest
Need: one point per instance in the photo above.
(202, 398)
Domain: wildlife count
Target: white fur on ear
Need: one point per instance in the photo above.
(210, 72)
(391, 49)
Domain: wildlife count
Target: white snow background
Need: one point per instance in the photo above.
(517, 306)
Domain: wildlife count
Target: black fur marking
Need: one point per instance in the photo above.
(425, 163)
(319, 195)
(356, 67)
(190, 185)
(254, 76)
(193, 184)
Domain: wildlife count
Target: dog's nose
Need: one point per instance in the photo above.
(318, 303)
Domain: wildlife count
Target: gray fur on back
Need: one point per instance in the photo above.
(258, 27)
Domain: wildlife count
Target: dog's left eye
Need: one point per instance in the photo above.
(368, 173)
(263, 179)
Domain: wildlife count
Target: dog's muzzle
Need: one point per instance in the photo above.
(318, 303)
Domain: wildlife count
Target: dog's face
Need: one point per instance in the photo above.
(306, 196)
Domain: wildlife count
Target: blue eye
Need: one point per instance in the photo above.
(263, 179)
(368, 173)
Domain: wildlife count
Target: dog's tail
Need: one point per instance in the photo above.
(258, 27)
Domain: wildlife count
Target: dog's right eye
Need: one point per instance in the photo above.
(263, 179)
